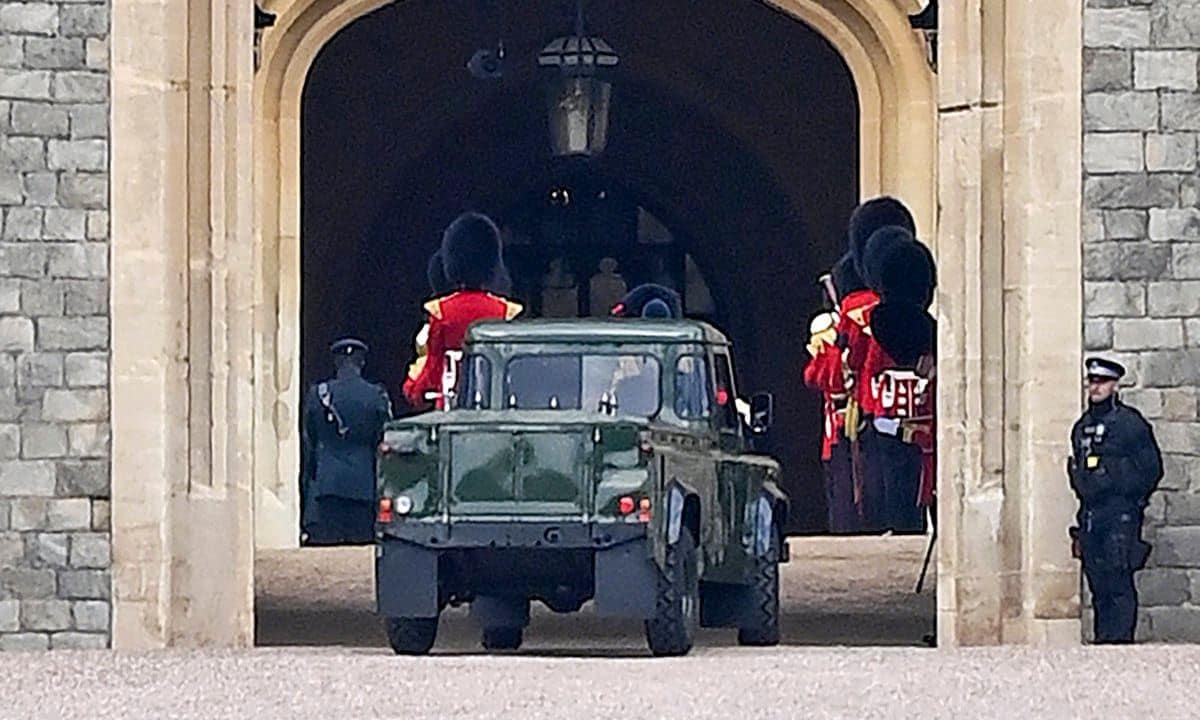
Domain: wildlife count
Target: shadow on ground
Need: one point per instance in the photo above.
(836, 591)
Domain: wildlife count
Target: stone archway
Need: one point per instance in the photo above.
(205, 239)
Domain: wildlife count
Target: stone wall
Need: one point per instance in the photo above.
(54, 330)
(1142, 264)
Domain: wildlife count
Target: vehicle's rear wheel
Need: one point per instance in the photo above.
(502, 638)
(762, 623)
(412, 636)
(672, 630)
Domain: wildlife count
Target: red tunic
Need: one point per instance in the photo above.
(824, 373)
(449, 318)
(854, 324)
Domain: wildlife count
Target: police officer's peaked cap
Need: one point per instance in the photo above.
(1101, 368)
(636, 301)
(348, 346)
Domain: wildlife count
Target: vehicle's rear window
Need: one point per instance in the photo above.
(588, 382)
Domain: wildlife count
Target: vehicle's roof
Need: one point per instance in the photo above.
(595, 330)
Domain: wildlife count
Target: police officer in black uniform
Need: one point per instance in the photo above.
(1114, 467)
(342, 427)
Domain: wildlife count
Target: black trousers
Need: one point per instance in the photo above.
(1114, 604)
(340, 521)
(839, 490)
(893, 480)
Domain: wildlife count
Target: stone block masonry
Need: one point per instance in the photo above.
(54, 339)
(1142, 265)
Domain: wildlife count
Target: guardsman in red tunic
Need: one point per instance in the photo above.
(824, 374)
(471, 260)
(900, 269)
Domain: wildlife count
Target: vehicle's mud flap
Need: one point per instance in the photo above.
(406, 580)
(626, 581)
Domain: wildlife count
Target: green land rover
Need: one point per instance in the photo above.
(583, 460)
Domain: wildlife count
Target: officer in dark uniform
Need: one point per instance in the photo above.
(342, 427)
(1115, 465)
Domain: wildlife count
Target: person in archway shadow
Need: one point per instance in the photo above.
(342, 425)
(474, 269)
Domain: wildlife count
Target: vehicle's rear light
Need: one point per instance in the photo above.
(625, 505)
(385, 510)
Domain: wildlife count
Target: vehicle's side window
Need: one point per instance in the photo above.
(475, 383)
(726, 409)
(691, 387)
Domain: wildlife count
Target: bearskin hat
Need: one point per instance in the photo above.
(872, 215)
(637, 300)
(899, 267)
(845, 276)
(471, 253)
(905, 331)
(436, 274)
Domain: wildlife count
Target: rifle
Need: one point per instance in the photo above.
(826, 282)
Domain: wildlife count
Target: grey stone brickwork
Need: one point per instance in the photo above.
(1142, 264)
(54, 413)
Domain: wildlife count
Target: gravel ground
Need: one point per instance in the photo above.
(837, 593)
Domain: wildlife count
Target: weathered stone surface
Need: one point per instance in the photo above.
(47, 549)
(29, 18)
(1185, 260)
(10, 295)
(1162, 587)
(84, 20)
(91, 369)
(43, 441)
(1116, 27)
(90, 550)
(86, 297)
(68, 514)
(1112, 111)
(12, 549)
(1165, 69)
(1177, 437)
(83, 191)
(39, 119)
(1112, 152)
(88, 440)
(1131, 191)
(23, 477)
(93, 615)
(54, 54)
(73, 333)
(1104, 299)
(1142, 261)
(40, 298)
(9, 616)
(28, 513)
(1146, 334)
(40, 370)
(1107, 70)
(77, 154)
(1093, 226)
(1097, 334)
(1175, 224)
(80, 87)
(84, 585)
(1175, 152)
(1174, 298)
(1167, 368)
(89, 121)
(10, 448)
(23, 223)
(45, 615)
(66, 224)
(78, 641)
(1183, 509)
(24, 642)
(40, 189)
(75, 405)
(1178, 547)
(1175, 624)
(1179, 470)
(1176, 24)
(101, 515)
(1180, 111)
(1182, 403)
(88, 479)
(26, 583)
(16, 334)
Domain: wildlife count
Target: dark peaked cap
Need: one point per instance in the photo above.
(348, 346)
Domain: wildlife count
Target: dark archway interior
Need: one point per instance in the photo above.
(733, 124)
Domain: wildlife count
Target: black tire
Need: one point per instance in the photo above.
(672, 630)
(412, 636)
(502, 638)
(762, 623)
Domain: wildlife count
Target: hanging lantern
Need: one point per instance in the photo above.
(579, 94)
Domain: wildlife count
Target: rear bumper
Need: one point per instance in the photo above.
(417, 569)
(513, 534)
